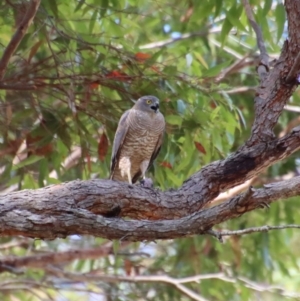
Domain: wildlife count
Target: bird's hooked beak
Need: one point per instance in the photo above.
(155, 107)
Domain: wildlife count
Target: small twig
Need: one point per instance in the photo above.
(236, 66)
(175, 282)
(163, 43)
(232, 52)
(254, 230)
(18, 36)
(264, 58)
(20, 87)
(241, 90)
(10, 269)
(290, 108)
(215, 234)
(259, 287)
(24, 242)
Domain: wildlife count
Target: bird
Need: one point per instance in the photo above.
(138, 140)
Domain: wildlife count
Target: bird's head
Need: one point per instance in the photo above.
(147, 103)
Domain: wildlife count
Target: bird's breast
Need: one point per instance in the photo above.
(147, 123)
(143, 132)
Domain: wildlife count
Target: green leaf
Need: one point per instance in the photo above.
(233, 16)
(43, 171)
(32, 159)
(93, 21)
(226, 27)
(215, 113)
(267, 6)
(200, 59)
(241, 116)
(53, 6)
(24, 41)
(218, 7)
(214, 71)
(79, 5)
(174, 120)
(155, 56)
(116, 247)
(280, 19)
(104, 6)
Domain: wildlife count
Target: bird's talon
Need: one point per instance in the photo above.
(147, 183)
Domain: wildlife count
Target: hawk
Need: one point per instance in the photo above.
(137, 141)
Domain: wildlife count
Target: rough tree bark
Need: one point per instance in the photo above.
(82, 207)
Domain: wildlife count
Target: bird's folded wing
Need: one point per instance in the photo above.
(118, 141)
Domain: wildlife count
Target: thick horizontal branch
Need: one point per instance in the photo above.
(112, 198)
(61, 216)
(83, 207)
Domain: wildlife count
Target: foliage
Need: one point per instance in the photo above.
(78, 67)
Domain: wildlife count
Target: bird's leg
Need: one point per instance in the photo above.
(144, 166)
(146, 182)
(129, 176)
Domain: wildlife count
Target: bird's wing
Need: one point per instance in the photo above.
(157, 148)
(118, 141)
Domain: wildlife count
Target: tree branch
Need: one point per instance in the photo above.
(262, 287)
(73, 208)
(163, 43)
(177, 283)
(264, 58)
(55, 212)
(292, 9)
(23, 243)
(95, 276)
(42, 260)
(291, 108)
(265, 228)
(273, 92)
(18, 36)
(16, 86)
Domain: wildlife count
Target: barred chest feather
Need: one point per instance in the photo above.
(143, 132)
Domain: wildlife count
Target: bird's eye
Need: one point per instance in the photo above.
(148, 101)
